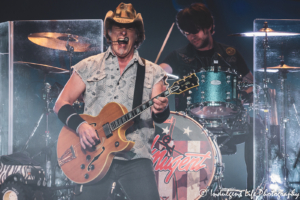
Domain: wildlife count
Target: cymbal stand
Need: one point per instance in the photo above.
(33, 132)
(266, 177)
(284, 120)
(48, 137)
(70, 50)
(292, 101)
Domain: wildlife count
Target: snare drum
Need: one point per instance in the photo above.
(216, 97)
(185, 159)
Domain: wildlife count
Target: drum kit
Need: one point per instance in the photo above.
(214, 110)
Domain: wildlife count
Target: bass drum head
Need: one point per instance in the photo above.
(184, 158)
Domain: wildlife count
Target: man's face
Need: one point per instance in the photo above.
(119, 32)
(200, 40)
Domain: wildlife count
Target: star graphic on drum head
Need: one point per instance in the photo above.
(166, 130)
(187, 131)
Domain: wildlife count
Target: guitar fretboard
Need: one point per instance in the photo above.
(136, 111)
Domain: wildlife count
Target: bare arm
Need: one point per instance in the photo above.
(72, 90)
(166, 67)
(248, 78)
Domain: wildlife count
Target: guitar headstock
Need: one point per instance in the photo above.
(184, 84)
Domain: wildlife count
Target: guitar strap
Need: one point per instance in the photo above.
(139, 86)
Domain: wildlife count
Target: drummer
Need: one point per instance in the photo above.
(196, 23)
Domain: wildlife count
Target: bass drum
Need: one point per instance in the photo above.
(186, 160)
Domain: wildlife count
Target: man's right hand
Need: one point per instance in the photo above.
(87, 135)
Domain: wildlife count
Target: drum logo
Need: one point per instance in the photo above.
(164, 161)
(215, 82)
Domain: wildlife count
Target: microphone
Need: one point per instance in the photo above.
(122, 40)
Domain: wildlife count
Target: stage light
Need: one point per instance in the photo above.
(274, 187)
(275, 178)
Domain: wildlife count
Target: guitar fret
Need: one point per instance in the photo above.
(112, 125)
(130, 115)
(144, 107)
(150, 103)
(138, 110)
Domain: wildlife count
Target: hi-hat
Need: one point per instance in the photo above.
(58, 41)
(44, 68)
(262, 32)
(283, 67)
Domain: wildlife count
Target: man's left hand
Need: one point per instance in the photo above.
(160, 104)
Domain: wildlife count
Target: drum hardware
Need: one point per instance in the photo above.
(281, 67)
(283, 70)
(217, 95)
(47, 98)
(296, 112)
(263, 31)
(47, 69)
(59, 41)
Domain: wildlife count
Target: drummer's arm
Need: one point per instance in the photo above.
(249, 79)
(166, 67)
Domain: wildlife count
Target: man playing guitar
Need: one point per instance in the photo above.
(111, 77)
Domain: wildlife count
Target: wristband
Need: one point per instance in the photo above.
(161, 117)
(69, 117)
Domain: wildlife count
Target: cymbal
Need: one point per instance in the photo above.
(44, 68)
(280, 68)
(262, 32)
(58, 41)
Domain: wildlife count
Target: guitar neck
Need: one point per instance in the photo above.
(139, 110)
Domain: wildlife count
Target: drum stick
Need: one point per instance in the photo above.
(163, 46)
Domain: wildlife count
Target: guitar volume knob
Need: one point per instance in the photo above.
(86, 176)
(88, 157)
(117, 144)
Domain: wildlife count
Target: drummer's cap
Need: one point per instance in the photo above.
(194, 18)
(125, 14)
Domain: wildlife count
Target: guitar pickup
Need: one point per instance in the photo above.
(107, 130)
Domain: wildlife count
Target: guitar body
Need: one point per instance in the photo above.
(91, 164)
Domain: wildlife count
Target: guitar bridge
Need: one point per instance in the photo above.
(67, 156)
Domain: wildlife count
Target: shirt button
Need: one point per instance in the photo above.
(118, 83)
(115, 97)
(117, 68)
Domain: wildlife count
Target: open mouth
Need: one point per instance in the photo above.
(123, 40)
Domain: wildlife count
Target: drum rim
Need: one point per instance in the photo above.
(219, 70)
(196, 105)
(212, 144)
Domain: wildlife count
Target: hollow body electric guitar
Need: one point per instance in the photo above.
(91, 164)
